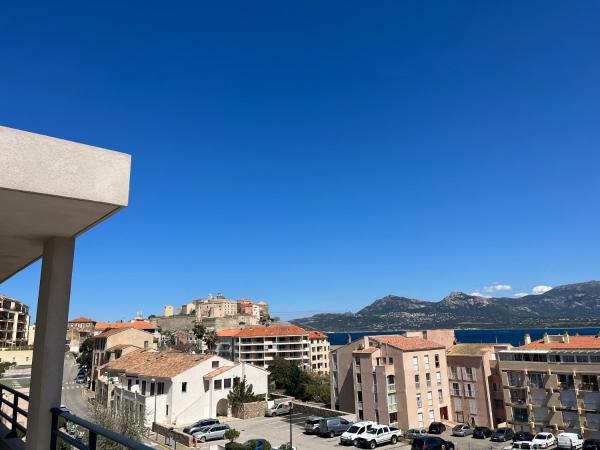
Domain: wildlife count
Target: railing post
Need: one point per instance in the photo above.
(92, 440)
(53, 430)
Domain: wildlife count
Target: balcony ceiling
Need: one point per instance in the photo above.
(51, 187)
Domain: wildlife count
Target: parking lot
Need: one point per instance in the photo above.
(277, 431)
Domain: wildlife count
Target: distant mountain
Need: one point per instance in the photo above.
(569, 305)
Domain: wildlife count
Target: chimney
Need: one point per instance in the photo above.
(527, 339)
(546, 338)
(566, 337)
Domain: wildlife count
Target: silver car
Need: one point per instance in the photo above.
(210, 432)
(414, 433)
(462, 429)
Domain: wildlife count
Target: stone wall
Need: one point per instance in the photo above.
(250, 410)
(174, 323)
(177, 436)
(314, 409)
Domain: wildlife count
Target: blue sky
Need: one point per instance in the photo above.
(319, 155)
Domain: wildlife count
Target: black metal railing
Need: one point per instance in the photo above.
(13, 417)
(94, 432)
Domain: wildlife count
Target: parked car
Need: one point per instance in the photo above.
(502, 435)
(80, 379)
(377, 435)
(279, 409)
(591, 444)
(544, 440)
(462, 429)
(436, 428)
(521, 436)
(431, 443)
(521, 445)
(570, 441)
(200, 424)
(311, 426)
(256, 444)
(333, 426)
(414, 433)
(350, 436)
(482, 433)
(210, 432)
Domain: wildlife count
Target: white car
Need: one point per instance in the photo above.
(544, 440)
(520, 445)
(350, 436)
(569, 441)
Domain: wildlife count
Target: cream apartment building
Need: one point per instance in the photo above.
(476, 384)
(259, 345)
(14, 322)
(319, 352)
(391, 379)
(552, 384)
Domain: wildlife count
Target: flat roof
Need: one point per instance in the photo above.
(50, 187)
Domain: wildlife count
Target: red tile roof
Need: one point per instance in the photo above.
(111, 331)
(288, 330)
(406, 343)
(82, 320)
(156, 364)
(575, 343)
(314, 334)
(219, 371)
(366, 350)
(139, 324)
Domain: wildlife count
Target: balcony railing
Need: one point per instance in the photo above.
(94, 432)
(589, 387)
(391, 387)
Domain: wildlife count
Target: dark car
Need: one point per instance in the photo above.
(256, 444)
(311, 426)
(502, 435)
(437, 428)
(202, 423)
(431, 443)
(482, 432)
(522, 436)
(591, 444)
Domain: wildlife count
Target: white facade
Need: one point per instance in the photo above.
(190, 396)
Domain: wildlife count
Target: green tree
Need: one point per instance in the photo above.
(289, 377)
(232, 434)
(242, 392)
(210, 339)
(85, 354)
(318, 389)
(123, 420)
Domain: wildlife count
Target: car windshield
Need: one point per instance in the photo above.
(372, 431)
(203, 429)
(541, 436)
(313, 421)
(501, 431)
(353, 429)
(458, 427)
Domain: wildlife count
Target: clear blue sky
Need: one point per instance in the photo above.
(319, 155)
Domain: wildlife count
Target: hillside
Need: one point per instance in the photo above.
(569, 305)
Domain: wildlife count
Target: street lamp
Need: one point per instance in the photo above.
(291, 409)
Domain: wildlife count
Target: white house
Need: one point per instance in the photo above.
(178, 388)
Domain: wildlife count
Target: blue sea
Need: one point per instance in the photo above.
(504, 336)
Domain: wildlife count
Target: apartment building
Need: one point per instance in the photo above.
(391, 379)
(259, 345)
(552, 384)
(476, 384)
(114, 343)
(176, 388)
(319, 352)
(14, 322)
(78, 330)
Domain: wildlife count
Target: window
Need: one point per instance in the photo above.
(469, 390)
(152, 386)
(568, 358)
(357, 360)
(436, 358)
(419, 402)
(391, 400)
(390, 360)
(457, 404)
(215, 364)
(469, 374)
(160, 388)
(438, 378)
(184, 386)
(415, 360)
(428, 379)
(129, 384)
(431, 415)
(429, 398)
(440, 396)
(167, 413)
(426, 361)
(218, 384)
(358, 378)
(453, 374)
(417, 381)
(144, 387)
(554, 358)
(420, 419)
(582, 359)
(455, 389)
(227, 383)
(473, 406)
(145, 344)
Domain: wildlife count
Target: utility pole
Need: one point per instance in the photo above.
(291, 409)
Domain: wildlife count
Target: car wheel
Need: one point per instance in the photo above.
(202, 439)
(355, 442)
(394, 440)
(443, 447)
(372, 444)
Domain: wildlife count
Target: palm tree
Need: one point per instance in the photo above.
(199, 332)
(210, 339)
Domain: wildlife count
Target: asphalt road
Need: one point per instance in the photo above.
(72, 393)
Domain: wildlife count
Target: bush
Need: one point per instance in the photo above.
(235, 446)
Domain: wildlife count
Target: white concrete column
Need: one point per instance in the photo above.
(49, 346)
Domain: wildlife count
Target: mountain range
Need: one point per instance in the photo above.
(571, 305)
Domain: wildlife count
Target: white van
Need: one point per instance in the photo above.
(569, 441)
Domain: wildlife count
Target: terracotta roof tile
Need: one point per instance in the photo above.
(112, 331)
(475, 349)
(120, 347)
(575, 343)
(140, 324)
(366, 350)
(314, 334)
(219, 371)
(288, 330)
(406, 343)
(82, 320)
(155, 364)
